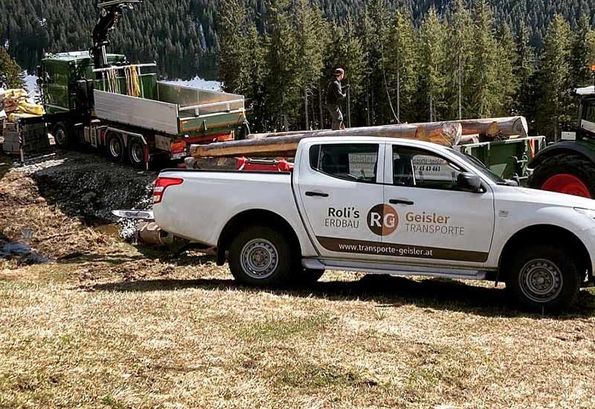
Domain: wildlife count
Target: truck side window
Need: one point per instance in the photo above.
(358, 162)
(419, 168)
(589, 111)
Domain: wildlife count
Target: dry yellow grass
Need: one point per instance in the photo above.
(111, 327)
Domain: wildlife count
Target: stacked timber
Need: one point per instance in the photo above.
(449, 133)
(285, 144)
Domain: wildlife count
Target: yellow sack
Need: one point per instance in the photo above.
(15, 93)
(29, 108)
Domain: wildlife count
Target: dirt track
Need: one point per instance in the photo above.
(90, 321)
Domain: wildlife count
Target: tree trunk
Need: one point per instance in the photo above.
(285, 144)
(306, 108)
(320, 105)
(399, 95)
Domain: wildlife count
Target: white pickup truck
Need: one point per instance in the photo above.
(387, 206)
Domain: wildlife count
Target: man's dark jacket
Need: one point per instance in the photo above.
(334, 92)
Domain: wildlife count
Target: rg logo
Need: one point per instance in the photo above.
(382, 220)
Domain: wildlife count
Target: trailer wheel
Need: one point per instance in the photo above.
(543, 277)
(61, 135)
(261, 256)
(136, 153)
(115, 147)
(565, 173)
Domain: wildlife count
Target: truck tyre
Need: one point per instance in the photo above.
(61, 135)
(136, 153)
(115, 147)
(261, 256)
(543, 278)
(565, 173)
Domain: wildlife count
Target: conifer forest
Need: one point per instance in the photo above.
(406, 61)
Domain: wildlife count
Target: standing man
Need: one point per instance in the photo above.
(334, 97)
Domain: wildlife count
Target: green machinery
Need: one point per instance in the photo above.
(568, 166)
(101, 100)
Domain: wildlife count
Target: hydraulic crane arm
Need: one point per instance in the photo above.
(110, 14)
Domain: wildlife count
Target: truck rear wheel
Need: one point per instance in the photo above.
(261, 256)
(565, 173)
(543, 277)
(115, 147)
(136, 153)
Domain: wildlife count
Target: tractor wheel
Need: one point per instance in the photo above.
(566, 173)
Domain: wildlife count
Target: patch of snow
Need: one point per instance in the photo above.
(31, 86)
(198, 82)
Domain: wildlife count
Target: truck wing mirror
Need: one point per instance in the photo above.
(469, 182)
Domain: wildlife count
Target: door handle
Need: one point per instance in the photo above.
(316, 194)
(403, 202)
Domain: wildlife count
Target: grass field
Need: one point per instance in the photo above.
(105, 324)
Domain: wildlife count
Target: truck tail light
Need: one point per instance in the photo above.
(163, 183)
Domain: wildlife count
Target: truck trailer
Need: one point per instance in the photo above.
(125, 110)
(101, 100)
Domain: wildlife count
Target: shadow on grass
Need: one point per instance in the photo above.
(388, 291)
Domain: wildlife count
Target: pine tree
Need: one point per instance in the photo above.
(311, 38)
(432, 63)
(554, 107)
(283, 93)
(484, 78)
(11, 74)
(401, 64)
(255, 74)
(232, 52)
(460, 38)
(580, 57)
(524, 71)
(508, 83)
(375, 32)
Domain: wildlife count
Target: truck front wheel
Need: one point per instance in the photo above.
(61, 135)
(543, 278)
(565, 173)
(261, 256)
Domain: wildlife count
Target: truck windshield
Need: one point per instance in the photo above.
(480, 167)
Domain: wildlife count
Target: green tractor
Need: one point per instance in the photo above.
(568, 166)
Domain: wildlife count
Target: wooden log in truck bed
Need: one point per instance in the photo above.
(285, 144)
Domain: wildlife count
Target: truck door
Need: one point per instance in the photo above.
(437, 223)
(337, 185)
